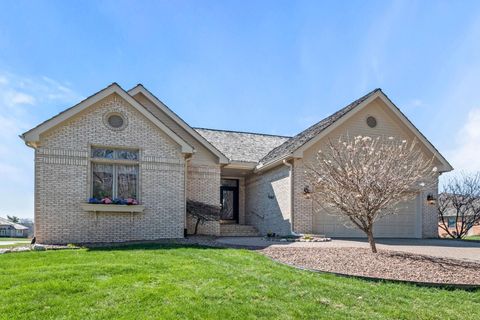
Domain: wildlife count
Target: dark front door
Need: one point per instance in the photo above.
(229, 201)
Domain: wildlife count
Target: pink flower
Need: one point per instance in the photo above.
(106, 201)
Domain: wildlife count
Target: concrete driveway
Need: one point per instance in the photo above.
(454, 249)
(10, 242)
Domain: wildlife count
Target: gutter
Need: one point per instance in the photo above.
(273, 163)
(185, 180)
(290, 175)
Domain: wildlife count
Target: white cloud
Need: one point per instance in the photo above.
(416, 103)
(466, 155)
(24, 102)
(21, 98)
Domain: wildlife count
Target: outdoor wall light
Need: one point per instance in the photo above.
(431, 200)
(307, 192)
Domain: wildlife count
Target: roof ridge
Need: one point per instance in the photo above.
(244, 132)
(14, 224)
(179, 119)
(322, 123)
(351, 104)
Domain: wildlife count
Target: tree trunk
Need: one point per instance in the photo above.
(196, 226)
(371, 241)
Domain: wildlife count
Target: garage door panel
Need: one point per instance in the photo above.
(400, 225)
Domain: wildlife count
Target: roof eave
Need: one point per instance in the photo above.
(32, 137)
(139, 88)
(271, 164)
(242, 165)
(298, 153)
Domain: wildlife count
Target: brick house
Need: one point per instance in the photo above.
(120, 145)
(454, 220)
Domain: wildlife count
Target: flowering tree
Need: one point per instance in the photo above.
(460, 201)
(364, 179)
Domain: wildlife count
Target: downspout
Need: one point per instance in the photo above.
(290, 176)
(185, 185)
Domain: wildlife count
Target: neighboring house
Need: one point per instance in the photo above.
(453, 221)
(128, 144)
(12, 230)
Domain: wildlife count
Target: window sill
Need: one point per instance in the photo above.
(115, 208)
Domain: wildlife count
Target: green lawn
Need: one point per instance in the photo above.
(15, 239)
(477, 238)
(178, 282)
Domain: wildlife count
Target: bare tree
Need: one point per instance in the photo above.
(202, 212)
(364, 179)
(460, 201)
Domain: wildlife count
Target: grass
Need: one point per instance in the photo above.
(476, 238)
(181, 282)
(15, 239)
(467, 238)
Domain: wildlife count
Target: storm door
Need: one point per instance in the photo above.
(229, 199)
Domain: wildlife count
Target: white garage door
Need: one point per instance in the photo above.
(405, 224)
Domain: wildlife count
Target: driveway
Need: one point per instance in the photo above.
(11, 242)
(454, 249)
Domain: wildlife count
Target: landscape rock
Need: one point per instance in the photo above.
(386, 264)
(39, 247)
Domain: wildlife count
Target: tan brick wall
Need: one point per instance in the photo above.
(429, 213)
(267, 201)
(203, 180)
(387, 125)
(241, 200)
(62, 180)
(210, 228)
(203, 184)
(302, 207)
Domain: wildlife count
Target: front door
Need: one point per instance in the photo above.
(229, 200)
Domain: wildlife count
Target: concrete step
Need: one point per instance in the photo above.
(238, 230)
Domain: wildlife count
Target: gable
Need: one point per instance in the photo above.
(204, 151)
(388, 125)
(32, 137)
(289, 146)
(375, 101)
(90, 128)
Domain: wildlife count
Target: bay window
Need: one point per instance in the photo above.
(114, 173)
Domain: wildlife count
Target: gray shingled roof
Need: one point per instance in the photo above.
(16, 226)
(242, 146)
(303, 137)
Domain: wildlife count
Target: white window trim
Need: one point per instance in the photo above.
(115, 163)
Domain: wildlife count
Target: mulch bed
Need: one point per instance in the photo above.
(385, 264)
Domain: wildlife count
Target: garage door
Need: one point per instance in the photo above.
(404, 224)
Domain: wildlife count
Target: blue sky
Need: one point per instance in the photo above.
(240, 65)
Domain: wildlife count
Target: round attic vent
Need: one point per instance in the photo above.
(371, 122)
(115, 121)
